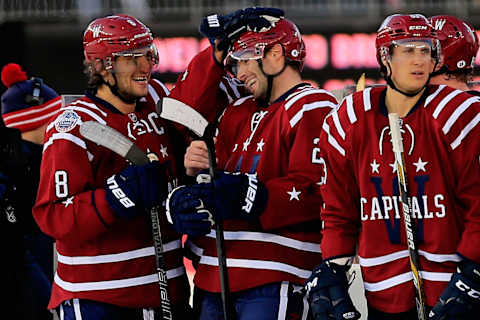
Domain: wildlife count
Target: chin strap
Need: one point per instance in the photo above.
(270, 78)
(389, 81)
(114, 90)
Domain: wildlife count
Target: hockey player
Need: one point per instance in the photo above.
(362, 213)
(266, 189)
(460, 45)
(93, 202)
(27, 106)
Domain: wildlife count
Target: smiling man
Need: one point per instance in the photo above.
(94, 203)
(267, 187)
(362, 214)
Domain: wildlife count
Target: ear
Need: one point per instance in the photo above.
(276, 51)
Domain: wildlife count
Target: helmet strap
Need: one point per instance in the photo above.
(388, 79)
(114, 90)
(270, 78)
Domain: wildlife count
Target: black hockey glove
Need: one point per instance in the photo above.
(186, 212)
(136, 189)
(234, 196)
(461, 298)
(327, 293)
(230, 27)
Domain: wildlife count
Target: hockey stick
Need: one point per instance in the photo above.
(410, 228)
(118, 143)
(179, 112)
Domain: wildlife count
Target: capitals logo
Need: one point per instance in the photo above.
(385, 205)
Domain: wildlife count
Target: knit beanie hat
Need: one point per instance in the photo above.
(27, 104)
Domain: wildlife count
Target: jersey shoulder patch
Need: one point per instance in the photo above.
(67, 121)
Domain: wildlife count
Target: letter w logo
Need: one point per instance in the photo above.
(439, 24)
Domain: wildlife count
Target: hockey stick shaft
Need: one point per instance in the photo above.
(179, 112)
(410, 227)
(117, 142)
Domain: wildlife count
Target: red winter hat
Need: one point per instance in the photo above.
(27, 104)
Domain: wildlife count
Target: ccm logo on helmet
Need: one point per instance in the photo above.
(417, 28)
(251, 193)
(118, 193)
(465, 288)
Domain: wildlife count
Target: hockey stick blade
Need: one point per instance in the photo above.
(179, 112)
(113, 140)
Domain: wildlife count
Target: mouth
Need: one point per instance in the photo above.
(142, 80)
(250, 84)
(418, 73)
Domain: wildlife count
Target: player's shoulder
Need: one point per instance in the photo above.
(157, 89)
(306, 93)
(455, 113)
(72, 115)
(358, 105)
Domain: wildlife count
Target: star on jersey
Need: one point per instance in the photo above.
(375, 166)
(163, 150)
(245, 145)
(260, 145)
(235, 147)
(394, 166)
(420, 165)
(68, 201)
(294, 194)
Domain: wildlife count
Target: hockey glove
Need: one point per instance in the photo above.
(230, 27)
(235, 196)
(186, 212)
(327, 293)
(461, 297)
(136, 189)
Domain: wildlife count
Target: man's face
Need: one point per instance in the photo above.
(411, 64)
(248, 71)
(132, 71)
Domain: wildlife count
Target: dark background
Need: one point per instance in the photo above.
(45, 37)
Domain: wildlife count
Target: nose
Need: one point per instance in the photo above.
(242, 70)
(144, 64)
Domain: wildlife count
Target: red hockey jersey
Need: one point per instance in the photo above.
(280, 144)
(441, 139)
(102, 257)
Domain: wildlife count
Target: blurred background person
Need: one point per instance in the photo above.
(27, 105)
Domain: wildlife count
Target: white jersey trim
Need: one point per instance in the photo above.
(332, 140)
(338, 125)
(88, 104)
(165, 89)
(433, 95)
(469, 127)
(268, 237)
(308, 107)
(115, 284)
(193, 248)
(117, 257)
(350, 110)
(405, 277)
(258, 264)
(153, 93)
(64, 136)
(458, 112)
(435, 257)
(309, 91)
(242, 100)
(366, 99)
(444, 102)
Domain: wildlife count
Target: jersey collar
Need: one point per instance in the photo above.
(89, 94)
(383, 106)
